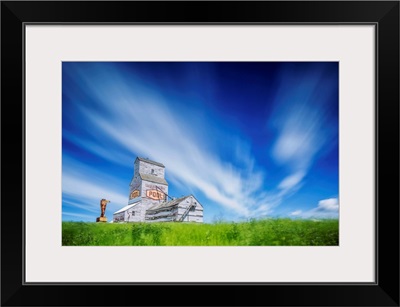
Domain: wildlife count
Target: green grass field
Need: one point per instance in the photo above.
(269, 232)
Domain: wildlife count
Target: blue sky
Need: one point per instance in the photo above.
(247, 139)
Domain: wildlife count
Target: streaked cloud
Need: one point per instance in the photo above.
(145, 124)
(80, 205)
(326, 208)
(330, 204)
(124, 117)
(301, 123)
(291, 181)
(296, 213)
(78, 215)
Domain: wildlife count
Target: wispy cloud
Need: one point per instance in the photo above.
(133, 118)
(86, 186)
(301, 127)
(326, 208)
(296, 213)
(78, 215)
(301, 136)
(146, 124)
(291, 181)
(330, 204)
(81, 206)
(91, 191)
(108, 153)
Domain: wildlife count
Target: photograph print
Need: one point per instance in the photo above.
(200, 154)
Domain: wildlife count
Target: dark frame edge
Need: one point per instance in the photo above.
(9, 86)
(388, 91)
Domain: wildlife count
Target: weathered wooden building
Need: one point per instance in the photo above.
(149, 200)
(184, 209)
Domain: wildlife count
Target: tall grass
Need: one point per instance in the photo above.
(269, 232)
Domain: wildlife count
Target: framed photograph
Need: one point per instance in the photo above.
(215, 148)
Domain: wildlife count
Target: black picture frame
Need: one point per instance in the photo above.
(383, 14)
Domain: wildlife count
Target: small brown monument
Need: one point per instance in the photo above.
(103, 205)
